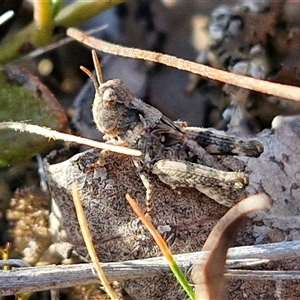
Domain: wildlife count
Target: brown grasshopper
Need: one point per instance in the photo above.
(180, 156)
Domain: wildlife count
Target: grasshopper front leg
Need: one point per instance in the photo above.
(148, 186)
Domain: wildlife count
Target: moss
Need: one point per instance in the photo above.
(17, 103)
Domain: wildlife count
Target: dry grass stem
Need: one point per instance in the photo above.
(163, 247)
(6, 16)
(262, 86)
(89, 244)
(53, 134)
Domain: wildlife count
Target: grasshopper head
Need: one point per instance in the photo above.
(110, 102)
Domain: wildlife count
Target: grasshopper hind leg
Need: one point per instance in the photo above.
(224, 187)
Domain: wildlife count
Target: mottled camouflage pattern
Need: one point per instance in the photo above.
(126, 120)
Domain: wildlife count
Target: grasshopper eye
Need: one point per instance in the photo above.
(109, 97)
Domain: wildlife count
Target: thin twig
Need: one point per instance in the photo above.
(58, 277)
(21, 280)
(89, 244)
(52, 134)
(266, 87)
(62, 42)
(14, 263)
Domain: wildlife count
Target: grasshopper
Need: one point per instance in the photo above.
(180, 156)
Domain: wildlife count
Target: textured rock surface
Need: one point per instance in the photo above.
(118, 236)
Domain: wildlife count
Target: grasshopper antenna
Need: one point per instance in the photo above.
(97, 66)
(99, 78)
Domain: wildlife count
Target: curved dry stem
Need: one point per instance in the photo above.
(209, 277)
